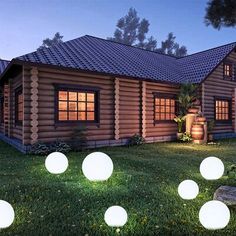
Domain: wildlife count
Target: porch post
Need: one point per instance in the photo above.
(143, 109)
(34, 105)
(117, 108)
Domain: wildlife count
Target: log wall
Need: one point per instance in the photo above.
(216, 85)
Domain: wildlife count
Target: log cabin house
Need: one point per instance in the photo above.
(114, 89)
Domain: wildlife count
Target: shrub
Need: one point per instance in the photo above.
(231, 172)
(136, 140)
(40, 148)
(60, 146)
(186, 138)
(79, 139)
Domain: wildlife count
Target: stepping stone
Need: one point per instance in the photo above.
(226, 194)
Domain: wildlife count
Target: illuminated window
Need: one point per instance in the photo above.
(164, 108)
(77, 105)
(228, 70)
(222, 109)
(19, 106)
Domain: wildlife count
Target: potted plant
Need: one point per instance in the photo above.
(200, 117)
(210, 126)
(180, 121)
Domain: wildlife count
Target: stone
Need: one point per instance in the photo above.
(226, 194)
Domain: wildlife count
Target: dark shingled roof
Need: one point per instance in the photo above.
(3, 65)
(99, 55)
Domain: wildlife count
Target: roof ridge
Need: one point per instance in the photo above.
(207, 50)
(5, 60)
(108, 40)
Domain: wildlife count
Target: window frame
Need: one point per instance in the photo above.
(163, 96)
(77, 88)
(229, 100)
(231, 68)
(18, 91)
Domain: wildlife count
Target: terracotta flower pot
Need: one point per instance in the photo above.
(197, 132)
(201, 119)
(193, 110)
(179, 135)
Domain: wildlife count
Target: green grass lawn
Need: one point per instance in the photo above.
(144, 182)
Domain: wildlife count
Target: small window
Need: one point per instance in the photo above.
(164, 108)
(222, 109)
(77, 105)
(19, 106)
(228, 70)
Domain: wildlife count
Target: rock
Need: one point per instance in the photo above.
(226, 194)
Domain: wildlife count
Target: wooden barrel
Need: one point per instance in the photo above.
(197, 132)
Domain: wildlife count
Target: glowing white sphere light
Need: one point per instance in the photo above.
(56, 163)
(97, 166)
(212, 168)
(214, 215)
(7, 214)
(188, 189)
(116, 216)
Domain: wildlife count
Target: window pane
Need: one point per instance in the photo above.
(81, 96)
(81, 116)
(81, 106)
(62, 95)
(157, 101)
(90, 97)
(62, 105)
(90, 106)
(222, 110)
(72, 115)
(90, 116)
(62, 115)
(73, 106)
(73, 96)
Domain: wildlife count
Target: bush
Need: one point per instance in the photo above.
(60, 146)
(136, 140)
(79, 139)
(231, 172)
(186, 138)
(40, 149)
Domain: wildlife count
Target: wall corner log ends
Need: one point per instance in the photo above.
(34, 105)
(117, 108)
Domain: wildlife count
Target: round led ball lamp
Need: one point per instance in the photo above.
(214, 215)
(116, 216)
(97, 166)
(188, 189)
(7, 214)
(212, 168)
(56, 163)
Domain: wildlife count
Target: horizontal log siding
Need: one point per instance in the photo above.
(162, 128)
(15, 129)
(129, 108)
(48, 130)
(215, 85)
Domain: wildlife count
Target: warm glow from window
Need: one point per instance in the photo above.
(164, 109)
(76, 106)
(222, 108)
(227, 70)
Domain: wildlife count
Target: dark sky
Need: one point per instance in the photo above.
(25, 23)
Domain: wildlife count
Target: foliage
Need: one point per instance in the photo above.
(170, 47)
(131, 30)
(40, 148)
(57, 39)
(144, 182)
(180, 121)
(136, 140)
(210, 125)
(60, 146)
(79, 138)
(187, 96)
(231, 171)
(221, 13)
(186, 137)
